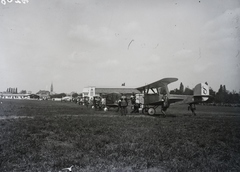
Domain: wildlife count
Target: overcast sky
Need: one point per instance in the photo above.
(79, 43)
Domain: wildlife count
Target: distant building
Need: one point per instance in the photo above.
(43, 94)
(23, 92)
(95, 91)
(18, 96)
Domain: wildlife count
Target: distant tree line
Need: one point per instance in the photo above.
(58, 95)
(222, 96)
(182, 91)
(225, 96)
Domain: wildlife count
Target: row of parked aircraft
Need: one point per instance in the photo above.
(157, 94)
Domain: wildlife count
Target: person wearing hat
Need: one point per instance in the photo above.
(165, 104)
(124, 104)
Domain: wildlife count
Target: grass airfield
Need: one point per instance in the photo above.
(49, 136)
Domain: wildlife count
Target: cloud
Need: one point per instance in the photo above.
(97, 36)
(80, 57)
(131, 27)
(108, 64)
(223, 31)
(184, 53)
(202, 67)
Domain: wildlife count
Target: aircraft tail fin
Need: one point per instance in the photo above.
(201, 92)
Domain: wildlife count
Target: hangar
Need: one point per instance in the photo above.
(18, 96)
(95, 91)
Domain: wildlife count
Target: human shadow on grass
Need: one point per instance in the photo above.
(160, 115)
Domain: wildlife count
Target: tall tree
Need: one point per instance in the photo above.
(74, 95)
(211, 92)
(222, 95)
(188, 91)
(220, 90)
(224, 89)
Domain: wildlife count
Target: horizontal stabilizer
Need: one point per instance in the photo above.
(200, 94)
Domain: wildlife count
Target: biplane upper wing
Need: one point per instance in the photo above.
(157, 84)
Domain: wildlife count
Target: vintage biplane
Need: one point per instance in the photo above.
(111, 100)
(157, 94)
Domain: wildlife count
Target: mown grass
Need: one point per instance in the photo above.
(65, 134)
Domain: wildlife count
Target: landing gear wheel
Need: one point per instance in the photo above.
(151, 111)
(145, 110)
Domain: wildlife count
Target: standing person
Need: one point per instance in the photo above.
(133, 98)
(133, 102)
(192, 107)
(94, 103)
(124, 104)
(136, 106)
(91, 102)
(119, 104)
(165, 104)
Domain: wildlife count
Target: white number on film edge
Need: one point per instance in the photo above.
(3, 2)
(18, 2)
(25, 1)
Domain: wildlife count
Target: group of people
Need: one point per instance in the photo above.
(99, 103)
(123, 104)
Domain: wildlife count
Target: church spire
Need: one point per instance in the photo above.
(51, 88)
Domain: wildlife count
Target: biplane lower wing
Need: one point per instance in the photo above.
(179, 99)
(182, 99)
(187, 99)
